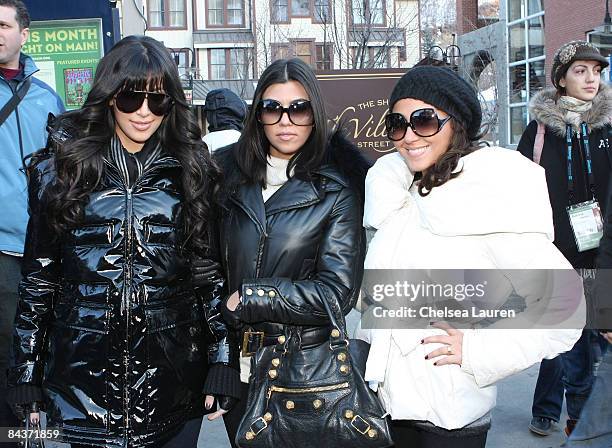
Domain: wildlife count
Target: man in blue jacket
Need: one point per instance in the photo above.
(23, 132)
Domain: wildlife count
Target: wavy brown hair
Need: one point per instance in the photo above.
(444, 168)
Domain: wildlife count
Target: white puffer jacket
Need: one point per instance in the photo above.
(494, 215)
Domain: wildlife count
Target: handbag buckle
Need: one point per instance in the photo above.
(360, 424)
(258, 425)
(251, 342)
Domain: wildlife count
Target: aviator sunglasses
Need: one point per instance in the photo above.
(271, 112)
(129, 101)
(423, 122)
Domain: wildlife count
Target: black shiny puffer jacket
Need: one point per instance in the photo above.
(108, 322)
(304, 243)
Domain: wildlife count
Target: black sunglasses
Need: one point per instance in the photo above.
(129, 101)
(299, 112)
(423, 122)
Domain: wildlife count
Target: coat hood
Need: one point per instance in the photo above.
(544, 108)
(482, 200)
(224, 110)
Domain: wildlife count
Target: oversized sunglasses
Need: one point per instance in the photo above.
(299, 112)
(423, 122)
(129, 101)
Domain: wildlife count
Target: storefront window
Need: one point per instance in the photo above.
(515, 9)
(535, 35)
(518, 122)
(535, 6)
(526, 61)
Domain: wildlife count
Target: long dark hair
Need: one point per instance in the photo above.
(139, 63)
(253, 147)
(444, 168)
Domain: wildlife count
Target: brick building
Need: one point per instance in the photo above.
(522, 44)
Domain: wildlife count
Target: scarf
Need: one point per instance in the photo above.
(574, 108)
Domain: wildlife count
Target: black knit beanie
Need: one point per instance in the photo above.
(443, 89)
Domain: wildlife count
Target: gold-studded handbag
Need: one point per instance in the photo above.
(311, 397)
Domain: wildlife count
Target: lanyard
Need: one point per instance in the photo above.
(587, 152)
(584, 136)
(570, 176)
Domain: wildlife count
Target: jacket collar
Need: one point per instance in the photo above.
(295, 193)
(29, 67)
(544, 109)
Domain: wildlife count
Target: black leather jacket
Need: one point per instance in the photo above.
(305, 242)
(108, 322)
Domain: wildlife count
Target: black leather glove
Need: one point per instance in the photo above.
(23, 411)
(226, 403)
(232, 318)
(204, 271)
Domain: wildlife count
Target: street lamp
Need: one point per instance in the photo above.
(601, 36)
(450, 56)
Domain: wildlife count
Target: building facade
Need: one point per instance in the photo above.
(228, 43)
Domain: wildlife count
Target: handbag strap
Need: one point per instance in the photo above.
(12, 104)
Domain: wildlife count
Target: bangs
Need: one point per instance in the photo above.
(143, 72)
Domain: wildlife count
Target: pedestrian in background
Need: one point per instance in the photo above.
(225, 114)
(594, 428)
(569, 138)
(25, 103)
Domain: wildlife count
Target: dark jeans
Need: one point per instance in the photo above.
(571, 371)
(10, 275)
(595, 426)
(405, 435)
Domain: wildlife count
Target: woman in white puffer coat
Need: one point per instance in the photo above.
(442, 203)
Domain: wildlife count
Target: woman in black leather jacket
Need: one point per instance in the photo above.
(111, 335)
(292, 232)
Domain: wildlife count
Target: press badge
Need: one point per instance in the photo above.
(586, 222)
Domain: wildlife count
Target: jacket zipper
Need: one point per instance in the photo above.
(260, 251)
(306, 390)
(125, 304)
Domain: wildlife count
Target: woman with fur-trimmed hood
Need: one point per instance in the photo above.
(570, 133)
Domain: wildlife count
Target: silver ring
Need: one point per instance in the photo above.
(449, 350)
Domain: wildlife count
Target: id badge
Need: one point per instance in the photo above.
(587, 224)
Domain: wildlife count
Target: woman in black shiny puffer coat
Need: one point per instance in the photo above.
(111, 334)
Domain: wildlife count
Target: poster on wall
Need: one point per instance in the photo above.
(67, 53)
(359, 100)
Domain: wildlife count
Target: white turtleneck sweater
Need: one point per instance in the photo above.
(276, 176)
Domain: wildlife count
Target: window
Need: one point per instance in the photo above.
(226, 63)
(526, 61)
(303, 50)
(317, 10)
(181, 58)
(280, 51)
(226, 13)
(322, 11)
(300, 8)
(167, 13)
(319, 56)
(368, 12)
(371, 57)
(324, 54)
